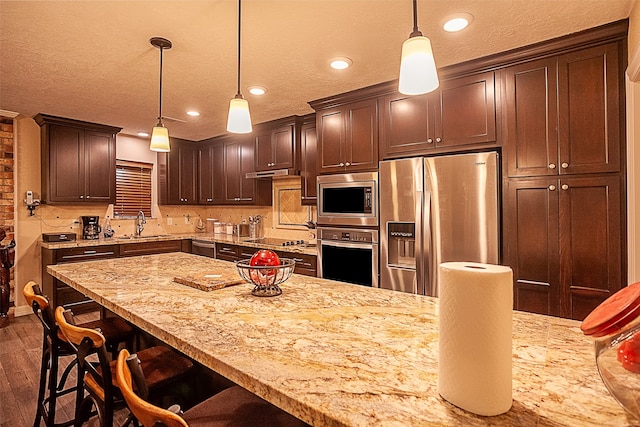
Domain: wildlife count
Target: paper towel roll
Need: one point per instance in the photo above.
(474, 368)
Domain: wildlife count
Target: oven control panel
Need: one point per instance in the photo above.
(348, 235)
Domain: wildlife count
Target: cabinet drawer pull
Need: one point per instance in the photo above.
(564, 165)
(565, 187)
(552, 166)
(552, 187)
(90, 252)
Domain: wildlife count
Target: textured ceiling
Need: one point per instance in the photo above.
(92, 61)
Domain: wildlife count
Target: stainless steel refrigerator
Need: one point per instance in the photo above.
(433, 210)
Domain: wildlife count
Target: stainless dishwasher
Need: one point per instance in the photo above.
(204, 248)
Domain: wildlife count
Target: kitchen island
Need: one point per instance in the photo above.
(335, 354)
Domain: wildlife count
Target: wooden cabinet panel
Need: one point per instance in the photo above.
(348, 137)
(148, 248)
(590, 242)
(305, 264)
(531, 244)
(462, 112)
(100, 156)
(563, 114)
(78, 161)
(331, 146)
(66, 156)
(177, 176)
(211, 174)
(563, 240)
(308, 163)
(532, 118)
(589, 84)
(362, 136)
(276, 146)
(238, 161)
(406, 124)
(466, 111)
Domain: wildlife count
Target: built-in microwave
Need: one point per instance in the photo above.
(349, 199)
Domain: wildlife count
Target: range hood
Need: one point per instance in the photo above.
(271, 174)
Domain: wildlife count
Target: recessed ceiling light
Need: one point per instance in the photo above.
(341, 63)
(193, 113)
(257, 90)
(457, 22)
(143, 134)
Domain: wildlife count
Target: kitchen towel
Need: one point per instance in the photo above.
(475, 354)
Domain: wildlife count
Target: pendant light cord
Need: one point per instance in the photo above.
(160, 109)
(416, 32)
(239, 95)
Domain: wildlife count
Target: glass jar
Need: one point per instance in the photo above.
(615, 325)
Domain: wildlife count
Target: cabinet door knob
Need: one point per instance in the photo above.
(438, 139)
(88, 197)
(565, 165)
(429, 141)
(348, 164)
(552, 188)
(565, 187)
(341, 164)
(552, 165)
(82, 197)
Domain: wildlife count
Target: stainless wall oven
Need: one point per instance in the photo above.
(348, 255)
(349, 199)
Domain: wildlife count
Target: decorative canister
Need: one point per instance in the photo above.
(219, 227)
(615, 325)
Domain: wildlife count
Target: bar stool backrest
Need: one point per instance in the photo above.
(41, 308)
(87, 342)
(147, 413)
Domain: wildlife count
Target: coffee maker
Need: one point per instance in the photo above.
(90, 227)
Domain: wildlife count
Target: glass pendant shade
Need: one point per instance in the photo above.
(160, 139)
(239, 119)
(418, 73)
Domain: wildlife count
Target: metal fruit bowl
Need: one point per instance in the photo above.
(266, 278)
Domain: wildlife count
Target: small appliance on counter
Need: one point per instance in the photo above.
(58, 237)
(91, 227)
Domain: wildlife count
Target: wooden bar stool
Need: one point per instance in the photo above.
(160, 365)
(55, 346)
(234, 406)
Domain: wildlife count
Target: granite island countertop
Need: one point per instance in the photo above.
(335, 354)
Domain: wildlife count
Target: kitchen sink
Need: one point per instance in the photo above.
(144, 236)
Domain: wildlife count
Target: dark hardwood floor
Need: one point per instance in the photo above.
(20, 352)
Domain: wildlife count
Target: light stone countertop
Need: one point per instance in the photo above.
(208, 237)
(336, 354)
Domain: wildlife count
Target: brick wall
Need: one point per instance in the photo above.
(7, 184)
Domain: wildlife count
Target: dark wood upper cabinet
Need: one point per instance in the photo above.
(462, 112)
(308, 160)
(178, 173)
(276, 145)
(78, 161)
(238, 161)
(211, 173)
(563, 113)
(348, 137)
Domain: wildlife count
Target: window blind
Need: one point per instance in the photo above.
(133, 188)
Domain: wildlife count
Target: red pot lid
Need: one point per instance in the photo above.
(613, 313)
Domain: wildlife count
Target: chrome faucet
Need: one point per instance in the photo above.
(140, 222)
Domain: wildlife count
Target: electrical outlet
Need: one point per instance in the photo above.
(169, 220)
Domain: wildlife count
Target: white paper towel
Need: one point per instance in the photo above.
(474, 369)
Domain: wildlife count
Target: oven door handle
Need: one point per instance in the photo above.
(347, 244)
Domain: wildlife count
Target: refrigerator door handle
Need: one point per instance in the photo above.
(426, 265)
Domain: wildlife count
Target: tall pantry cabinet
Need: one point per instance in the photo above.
(564, 181)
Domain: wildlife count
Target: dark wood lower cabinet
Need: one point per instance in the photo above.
(305, 264)
(564, 240)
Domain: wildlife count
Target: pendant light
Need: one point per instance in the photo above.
(160, 135)
(418, 73)
(239, 119)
